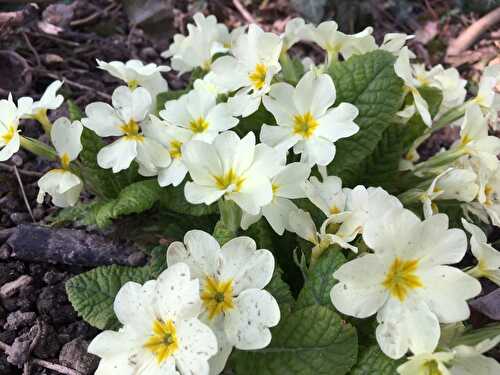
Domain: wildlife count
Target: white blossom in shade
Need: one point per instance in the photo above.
(199, 113)
(134, 73)
(327, 36)
(233, 168)
(286, 185)
(250, 69)
(453, 183)
(302, 224)
(410, 286)
(460, 360)
(123, 120)
(452, 87)
(61, 184)
(488, 198)
(488, 258)
(49, 100)
(295, 31)
(172, 138)
(161, 331)
(487, 97)
(205, 39)
(232, 279)
(404, 70)
(9, 133)
(475, 140)
(327, 194)
(305, 120)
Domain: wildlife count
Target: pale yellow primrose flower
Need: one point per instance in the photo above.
(410, 286)
(196, 50)
(453, 183)
(9, 135)
(230, 167)
(123, 119)
(488, 258)
(232, 280)
(161, 331)
(460, 360)
(249, 70)
(61, 184)
(305, 120)
(404, 70)
(134, 73)
(287, 185)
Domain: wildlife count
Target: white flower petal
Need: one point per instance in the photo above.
(314, 93)
(65, 137)
(247, 325)
(118, 155)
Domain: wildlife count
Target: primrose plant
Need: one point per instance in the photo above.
(307, 235)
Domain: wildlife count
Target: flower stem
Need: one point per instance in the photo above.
(43, 119)
(38, 148)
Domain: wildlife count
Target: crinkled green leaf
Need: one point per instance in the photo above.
(135, 198)
(281, 292)
(75, 113)
(92, 293)
(372, 361)
(368, 81)
(81, 214)
(173, 199)
(310, 341)
(320, 281)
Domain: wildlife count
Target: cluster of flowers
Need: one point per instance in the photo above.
(211, 299)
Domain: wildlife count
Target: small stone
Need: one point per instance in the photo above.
(38, 213)
(52, 277)
(52, 59)
(20, 319)
(149, 53)
(5, 252)
(19, 352)
(137, 259)
(17, 160)
(48, 345)
(20, 217)
(74, 355)
(5, 234)
(10, 289)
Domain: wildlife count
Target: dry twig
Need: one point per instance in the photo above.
(25, 198)
(473, 32)
(243, 11)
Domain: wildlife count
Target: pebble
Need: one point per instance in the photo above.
(74, 355)
(5, 252)
(19, 319)
(20, 217)
(9, 289)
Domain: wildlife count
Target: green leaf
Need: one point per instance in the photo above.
(254, 122)
(81, 214)
(373, 361)
(134, 199)
(291, 69)
(173, 199)
(320, 281)
(281, 292)
(75, 113)
(474, 337)
(368, 81)
(222, 233)
(92, 293)
(263, 235)
(310, 341)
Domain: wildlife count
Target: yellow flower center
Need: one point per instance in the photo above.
(65, 160)
(206, 64)
(275, 188)
(175, 149)
(163, 342)
(304, 125)
(131, 130)
(9, 134)
(401, 278)
(334, 210)
(229, 181)
(423, 80)
(217, 296)
(199, 125)
(431, 368)
(133, 84)
(465, 139)
(258, 76)
(491, 195)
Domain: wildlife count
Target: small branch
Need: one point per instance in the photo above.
(25, 198)
(76, 84)
(24, 172)
(48, 365)
(243, 11)
(473, 32)
(30, 46)
(94, 16)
